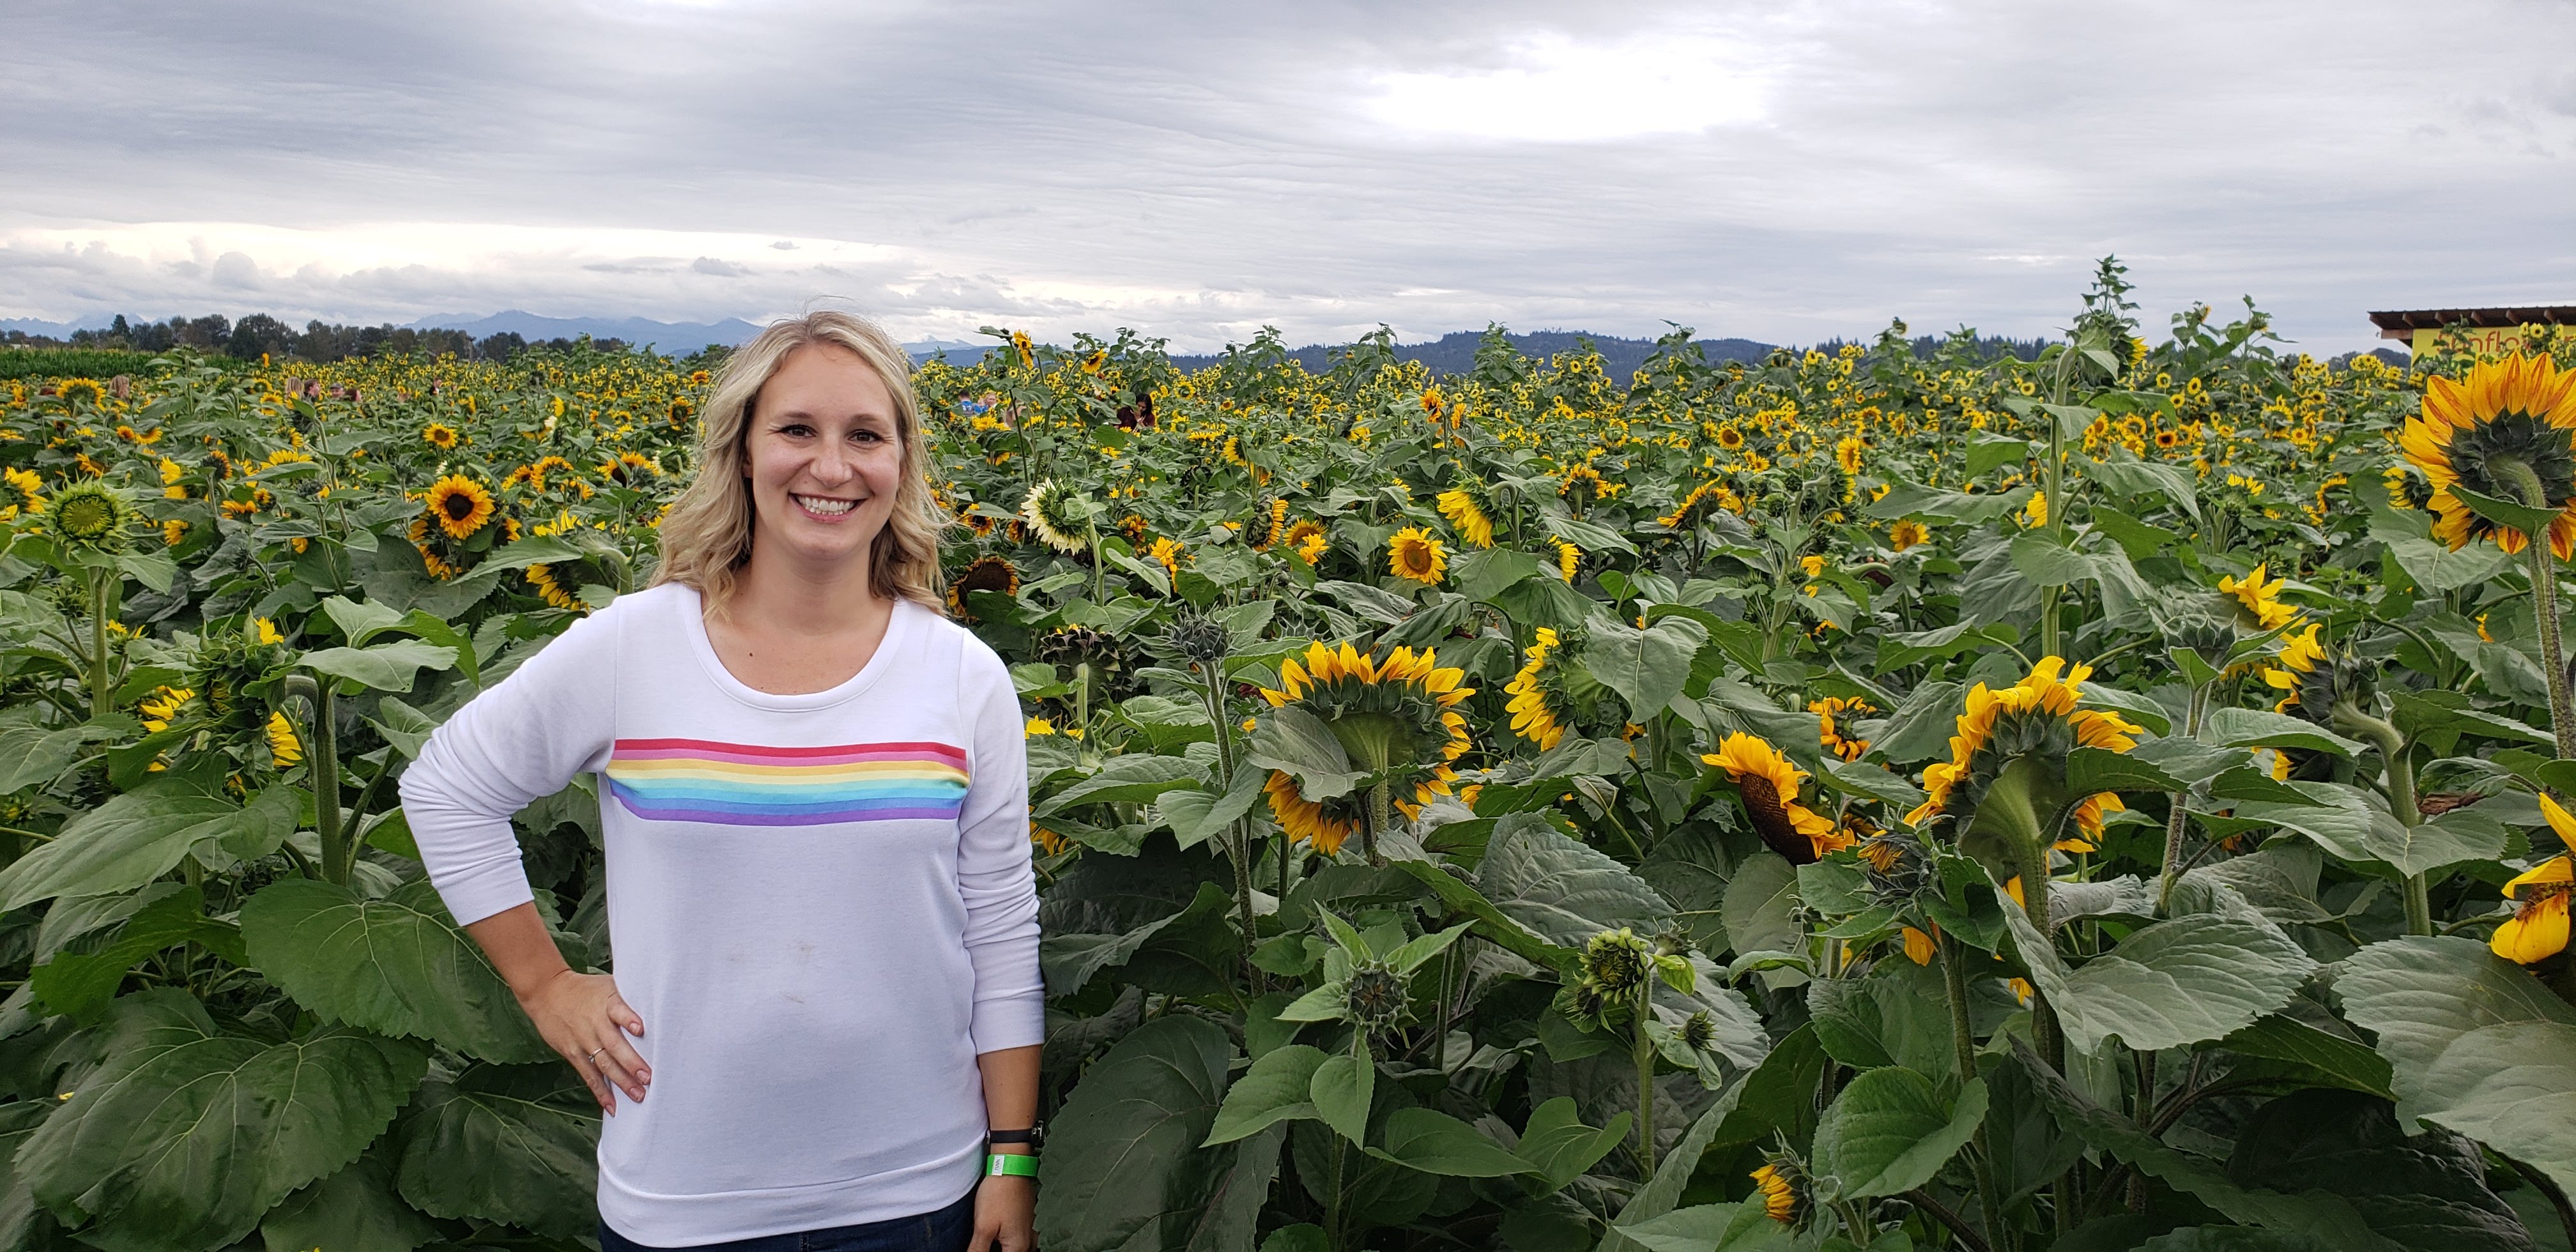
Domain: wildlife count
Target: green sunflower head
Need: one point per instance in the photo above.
(91, 516)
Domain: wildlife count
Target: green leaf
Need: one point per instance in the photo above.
(1482, 575)
(1732, 1226)
(2129, 704)
(2427, 1191)
(31, 755)
(2478, 1045)
(82, 983)
(2461, 835)
(2306, 1212)
(2437, 568)
(1132, 779)
(1198, 816)
(358, 622)
(1898, 1015)
(396, 965)
(1646, 667)
(1987, 450)
(2180, 981)
(355, 1209)
(385, 666)
(1341, 1090)
(2346, 1062)
(1561, 1146)
(1898, 650)
(2134, 478)
(403, 726)
(142, 834)
(2048, 563)
(1920, 728)
(1890, 1131)
(2090, 770)
(2502, 512)
(1277, 1088)
(1563, 890)
(1774, 1099)
(1122, 1168)
(130, 1149)
(1294, 741)
(1436, 1143)
(1759, 909)
(516, 1144)
(2260, 728)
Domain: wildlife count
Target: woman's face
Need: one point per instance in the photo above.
(823, 457)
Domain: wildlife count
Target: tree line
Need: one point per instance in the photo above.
(260, 335)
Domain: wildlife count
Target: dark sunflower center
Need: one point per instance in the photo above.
(2504, 455)
(985, 576)
(1771, 820)
(458, 506)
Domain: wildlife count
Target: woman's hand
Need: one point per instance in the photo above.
(1006, 1212)
(582, 1017)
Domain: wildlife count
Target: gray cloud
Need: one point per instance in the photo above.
(1779, 172)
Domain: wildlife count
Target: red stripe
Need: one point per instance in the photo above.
(688, 746)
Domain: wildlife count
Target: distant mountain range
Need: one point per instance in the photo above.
(672, 338)
(1455, 352)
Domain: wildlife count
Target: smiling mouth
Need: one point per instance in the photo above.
(824, 506)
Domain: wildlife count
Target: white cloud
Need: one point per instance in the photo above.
(1554, 89)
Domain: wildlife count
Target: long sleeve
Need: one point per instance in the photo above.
(551, 718)
(994, 875)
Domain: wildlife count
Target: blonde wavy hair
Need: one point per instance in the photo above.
(707, 535)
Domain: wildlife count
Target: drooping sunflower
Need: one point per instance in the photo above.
(284, 749)
(1703, 498)
(984, 573)
(2261, 600)
(1769, 785)
(1396, 720)
(1569, 560)
(1414, 554)
(439, 435)
(2003, 790)
(1466, 513)
(1057, 516)
(2508, 431)
(166, 705)
(1835, 741)
(459, 505)
(1581, 485)
(542, 577)
(2538, 927)
(2299, 656)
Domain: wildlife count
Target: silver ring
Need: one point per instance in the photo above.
(593, 1058)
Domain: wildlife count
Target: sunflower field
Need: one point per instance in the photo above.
(1876, 799)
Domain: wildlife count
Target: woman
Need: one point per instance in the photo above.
(815, 810)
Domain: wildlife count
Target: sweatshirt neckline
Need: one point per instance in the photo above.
(898, 637)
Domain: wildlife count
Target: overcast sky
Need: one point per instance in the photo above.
(1778, 171)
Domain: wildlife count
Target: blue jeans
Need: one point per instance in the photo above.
(944, 1230)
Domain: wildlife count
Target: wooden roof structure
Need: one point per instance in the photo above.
(2402, 324)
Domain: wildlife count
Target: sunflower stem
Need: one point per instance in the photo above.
(2176, 821)
(1643, 1050)
(2553, 656)
(102, 695)
(1963, 1041)
(1380, 816)
(2397, 761)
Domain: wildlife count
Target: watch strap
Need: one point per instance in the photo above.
(1029, 1135)
(1020, 1164)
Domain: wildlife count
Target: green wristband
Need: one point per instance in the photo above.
(997, 1164)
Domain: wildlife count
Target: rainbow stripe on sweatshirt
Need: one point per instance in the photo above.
(735, 784)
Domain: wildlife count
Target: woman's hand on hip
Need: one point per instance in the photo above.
(1006, 1214)
(582, 1017)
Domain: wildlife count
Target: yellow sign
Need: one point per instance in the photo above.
(2483, 340)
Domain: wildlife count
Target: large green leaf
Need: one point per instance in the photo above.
(2261, 728)
(354, 1210)
(1436, 1143)
(1898, 1015)
(1491, 923)
(1890, 1130)
(2428, 1192)
(131, 1147)
(1294, 741)
(2478, 1045)
(81, 983)
(2181, 981)
(1277, 1088)
(31, 754)
(384, 666)
(1760, 910)
(1122, 1167)
(142, 834)
(2310, 1211)
(1341, 1090)
(1646, 667)
(1732, 1226)
(1561, 1146)
(1134, 778)
(1775, 1099)
(505, 1143)
(2328, 1058)
(395, 965)
(1564, 890)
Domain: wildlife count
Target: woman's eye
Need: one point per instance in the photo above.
(796, 429)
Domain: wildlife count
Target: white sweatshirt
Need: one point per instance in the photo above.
(821, 905)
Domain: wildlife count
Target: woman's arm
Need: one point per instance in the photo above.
(553, 717)
(1006, 1205)
(581, 1015)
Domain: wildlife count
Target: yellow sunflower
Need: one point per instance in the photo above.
(2508, 431)
(164, 706)
(2032, 724)
(2299, 654)
(1395, 719)
(1834, 741)
(1569, 560)
(460, 505)
(2261, 599)
(89, 389)
(1907, 534)
(985, 573)
(284, 749)
(1414, 554)
(439, 435)
(1531, 717)
(1469, 517)
(1769, 784)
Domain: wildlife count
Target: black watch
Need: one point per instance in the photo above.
(1034, 1136)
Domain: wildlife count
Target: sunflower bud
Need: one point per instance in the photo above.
(1699, 1031)
(1199, 638)
(1616, 960)
(1376, 995)
(1787, 1193)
